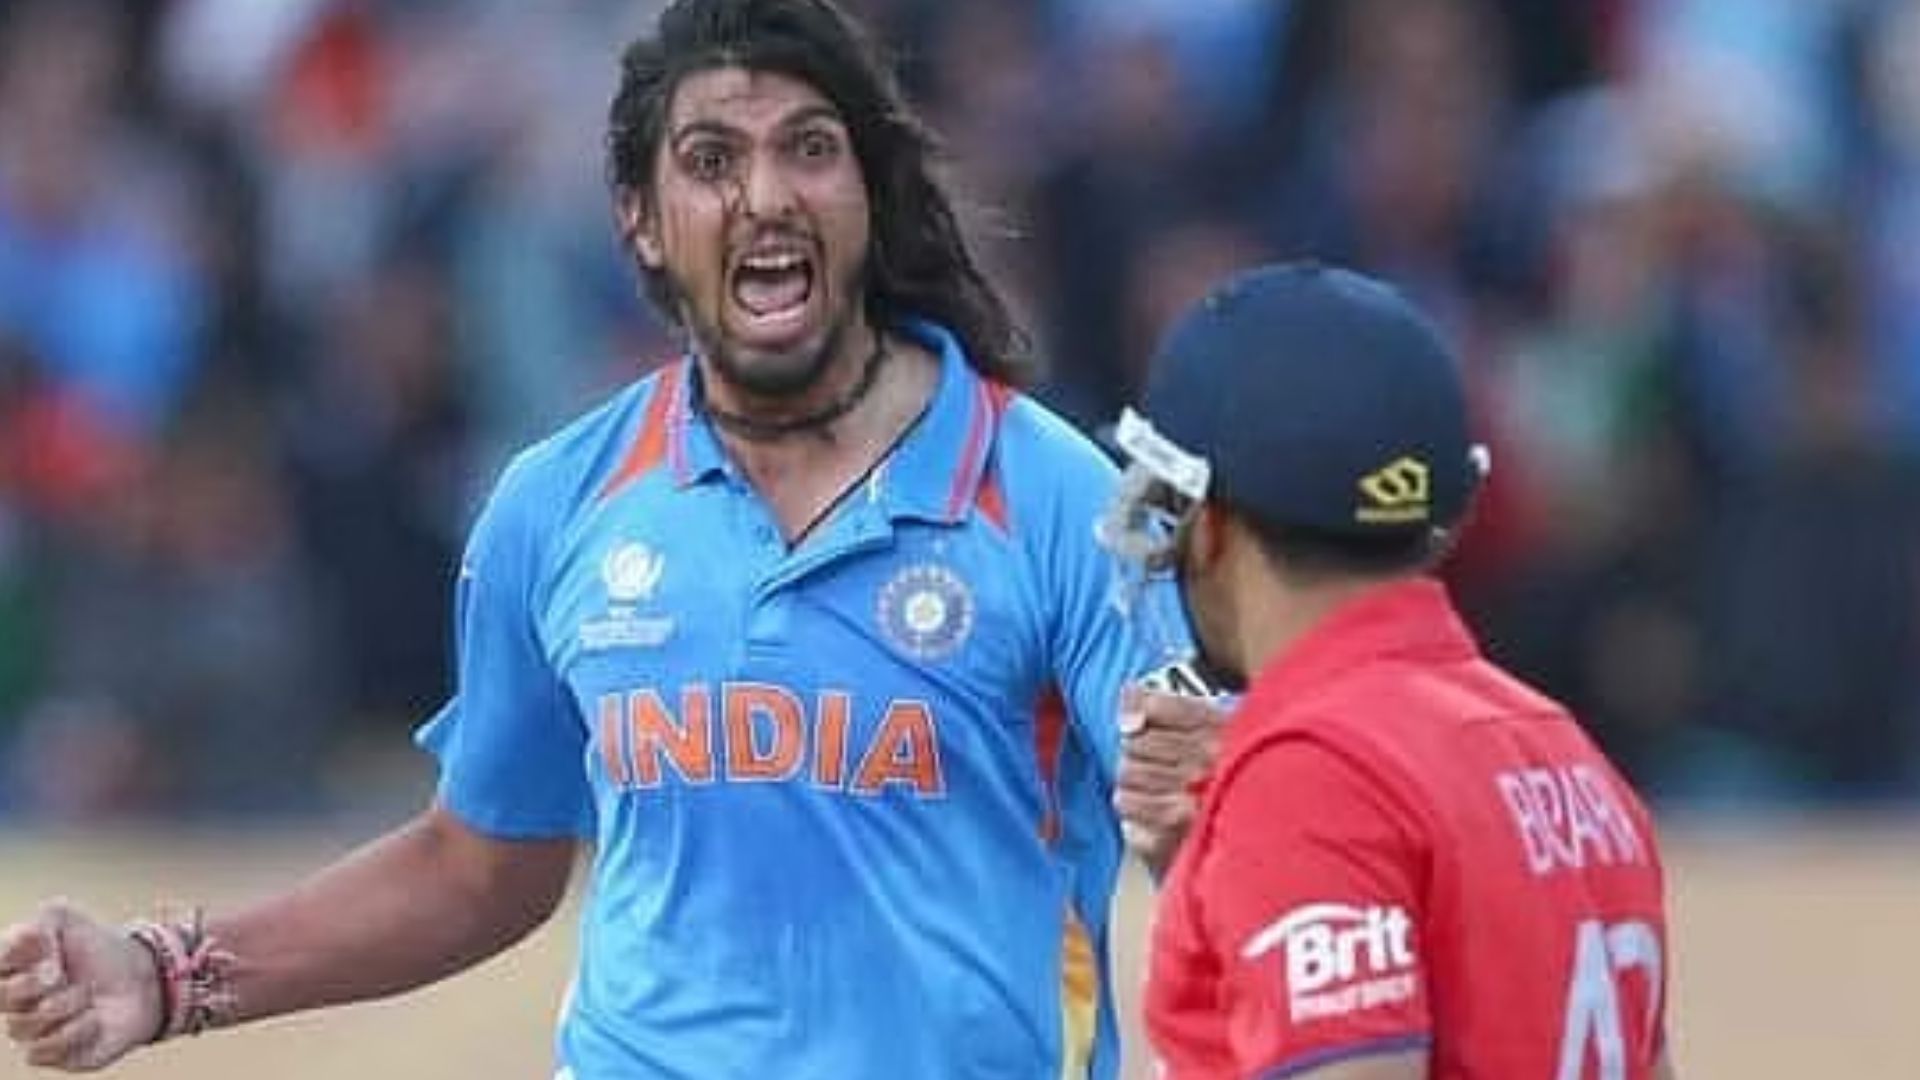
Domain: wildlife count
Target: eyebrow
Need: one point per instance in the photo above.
(806, 114)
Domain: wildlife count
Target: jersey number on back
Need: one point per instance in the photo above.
(1602, 954)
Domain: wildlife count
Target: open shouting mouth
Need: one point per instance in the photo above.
(772, 286)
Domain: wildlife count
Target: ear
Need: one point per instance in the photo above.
(640, 228)
(1209, 540)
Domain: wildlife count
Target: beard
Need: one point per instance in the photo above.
(783, 379)
(774, 378)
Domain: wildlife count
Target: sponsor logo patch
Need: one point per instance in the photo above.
(1340, 958)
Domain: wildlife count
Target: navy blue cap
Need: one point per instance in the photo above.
(1322, 399)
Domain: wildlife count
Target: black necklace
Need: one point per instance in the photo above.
(755, 429)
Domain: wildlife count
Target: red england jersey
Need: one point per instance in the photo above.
(1405, 849)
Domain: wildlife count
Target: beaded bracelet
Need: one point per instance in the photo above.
(195, 975)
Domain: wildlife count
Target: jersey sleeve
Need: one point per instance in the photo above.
(1097, 648)
(1310, 888)
(510, 747)
(1059, 483)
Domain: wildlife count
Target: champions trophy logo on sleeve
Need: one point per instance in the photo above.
(631, 572)
(926, 611)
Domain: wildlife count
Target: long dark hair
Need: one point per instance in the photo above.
(919, 263)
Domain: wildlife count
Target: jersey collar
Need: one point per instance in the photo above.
(1410, 618)
(935, 472)
(692, 447)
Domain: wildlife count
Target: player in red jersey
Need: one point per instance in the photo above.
(1406, 864)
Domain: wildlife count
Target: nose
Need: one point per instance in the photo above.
(767, 192)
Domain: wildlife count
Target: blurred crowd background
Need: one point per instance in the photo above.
(282, 282)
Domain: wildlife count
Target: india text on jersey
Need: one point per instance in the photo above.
(766, 733)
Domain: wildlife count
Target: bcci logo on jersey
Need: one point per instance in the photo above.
(1341, 959)
(927, 611)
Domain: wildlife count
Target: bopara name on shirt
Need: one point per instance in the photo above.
(1569, 816)
(765, 733)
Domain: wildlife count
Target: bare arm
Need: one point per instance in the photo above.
(424, 901)
(421, 903)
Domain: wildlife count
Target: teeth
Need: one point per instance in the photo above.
(773, 263)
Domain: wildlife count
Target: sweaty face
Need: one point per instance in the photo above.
(760, 222)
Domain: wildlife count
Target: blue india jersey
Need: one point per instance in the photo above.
(850, 800)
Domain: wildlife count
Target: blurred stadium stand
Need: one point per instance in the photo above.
(281, 286)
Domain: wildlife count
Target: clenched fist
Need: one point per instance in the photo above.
(76, 995)
(1168, 743)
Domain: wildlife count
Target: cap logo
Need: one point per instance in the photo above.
(1395, 494)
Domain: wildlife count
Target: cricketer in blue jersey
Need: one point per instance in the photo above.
(849, 797)
(807, 634)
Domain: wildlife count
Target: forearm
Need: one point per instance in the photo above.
(406, 910)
